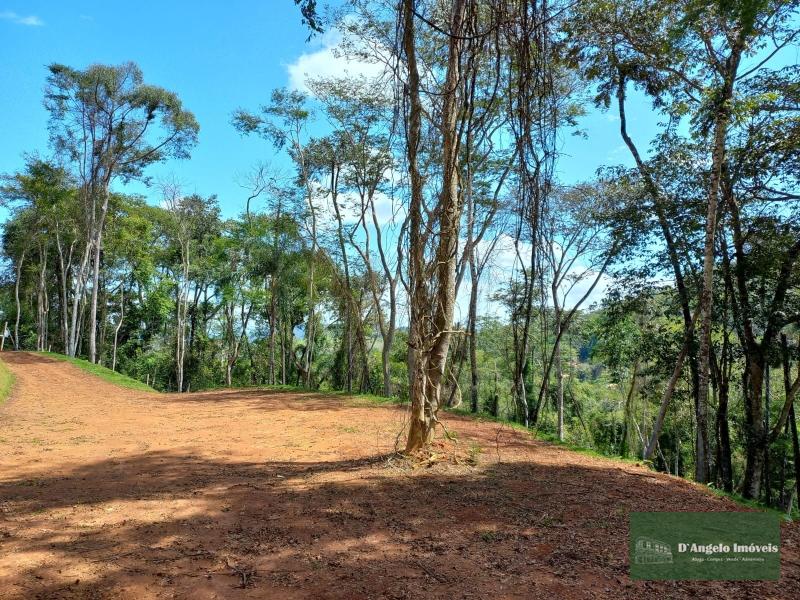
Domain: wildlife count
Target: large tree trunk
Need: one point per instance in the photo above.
(349, 312)
(430, 347)
(755, 435)
(701, 469)
(308, 351)
(273, 318)
(795, 451)
(420, 427)
(767, 402)
(721, 120)
(182, 292)
(117, 328)
(43, 302)
(559, 379)
(724, 463)
(64, 268)
(16, 298)
(659, 203)
(472, 331)
(96, 278)
(627, 414)
(787, 386)
(757, 438)
(77, 300)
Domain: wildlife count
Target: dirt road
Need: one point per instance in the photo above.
(113, 493)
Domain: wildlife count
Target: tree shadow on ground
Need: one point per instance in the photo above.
(169, 524)
(267, 399)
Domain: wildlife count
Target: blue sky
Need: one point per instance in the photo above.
(217, 57)
(220, 56)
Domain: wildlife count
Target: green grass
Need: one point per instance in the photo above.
(102, 372)
(541, 435)
(552, 439)
(481, 417)
(266, 388)
(6, 382)
(755, 505)
(363, 399)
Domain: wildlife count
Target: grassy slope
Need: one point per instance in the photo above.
(101, 372)
(483, 417)
(6, 382)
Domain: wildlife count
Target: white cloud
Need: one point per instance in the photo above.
(327, 62)
(30, 20)
(504, 254)
(388, 213)
(617, 152)
(501, 266)
(597, 295)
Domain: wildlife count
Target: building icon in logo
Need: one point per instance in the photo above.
(652, 552)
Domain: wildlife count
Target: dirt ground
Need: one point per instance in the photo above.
(113, 493)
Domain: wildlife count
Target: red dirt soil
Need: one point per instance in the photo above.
(114, 493)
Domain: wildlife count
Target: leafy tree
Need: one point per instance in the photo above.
(108, 124)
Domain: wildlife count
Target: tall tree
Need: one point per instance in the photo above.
(109, 125)
(688, 57)
(284, 122)
(432, 291)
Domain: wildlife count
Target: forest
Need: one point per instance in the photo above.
(423, 245)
